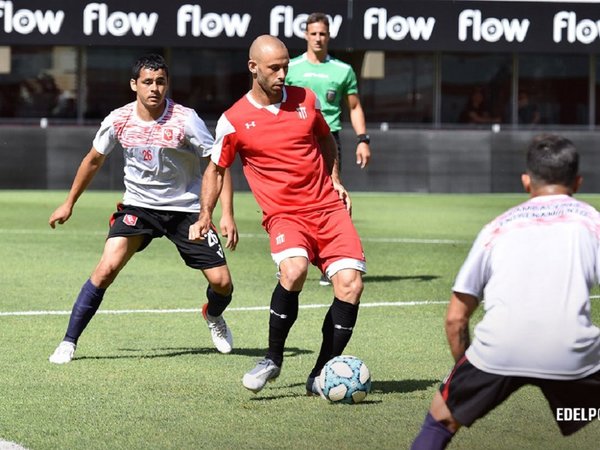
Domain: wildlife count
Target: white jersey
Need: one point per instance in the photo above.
(534, 267)
(162, 158)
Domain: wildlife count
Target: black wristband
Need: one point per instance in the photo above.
(363, 138)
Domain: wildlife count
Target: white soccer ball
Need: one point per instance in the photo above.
(345, 379)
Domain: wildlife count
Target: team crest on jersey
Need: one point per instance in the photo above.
(168, 134)
(330, 95)
(130, 220)
(302, 112)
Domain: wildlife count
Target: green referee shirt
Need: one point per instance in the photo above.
(332, 81)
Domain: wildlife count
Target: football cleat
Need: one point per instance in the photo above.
(312, 387)
(219, 331)
(265, 370)
(63, 353)
(324, 281)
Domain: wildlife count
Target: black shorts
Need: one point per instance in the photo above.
(175, 225)
(471, 393)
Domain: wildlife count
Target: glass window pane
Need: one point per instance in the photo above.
(107, 75)
(38, 82)
(558, 85)
(405, 92)
(209, 81)
(476, 88)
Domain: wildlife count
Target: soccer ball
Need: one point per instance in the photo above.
(345, 379)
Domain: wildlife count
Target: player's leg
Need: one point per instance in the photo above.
(218, 295)
(574, 403)
(341, 257)
(208, 256)
(339, 322)
(465, 395)
(117, 252)
(290, 244)
(283, 314)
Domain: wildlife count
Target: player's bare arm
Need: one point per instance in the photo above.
(357, 118)
(227, 223)
(85, 174)
(459, 311)
(212, 184)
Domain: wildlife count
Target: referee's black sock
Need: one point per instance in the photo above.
(283, 314)
(217, 303)
(85, 307)
(337, 329)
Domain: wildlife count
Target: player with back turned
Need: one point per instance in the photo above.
(533, 268)
(289, 159)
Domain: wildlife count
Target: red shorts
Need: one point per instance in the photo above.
(328, 239)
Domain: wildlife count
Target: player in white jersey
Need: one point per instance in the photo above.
(533, 268)
(164, 146)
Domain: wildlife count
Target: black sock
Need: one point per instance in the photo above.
(337, 330)
(217, 303)
(433, 435)
(284, 312)
(85, 307)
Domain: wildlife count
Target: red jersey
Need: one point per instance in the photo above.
(279, 150)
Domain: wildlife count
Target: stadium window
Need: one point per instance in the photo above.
(398, 87)
(37, 82)
(208, 80)
(475, 88)
(107, 73)
(558, 85)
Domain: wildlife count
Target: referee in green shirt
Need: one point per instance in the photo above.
(333, 81)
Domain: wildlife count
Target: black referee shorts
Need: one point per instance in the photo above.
(471, 393)
(152, 223)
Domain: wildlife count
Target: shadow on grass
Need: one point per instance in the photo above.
(275, 392)
(170, 352)
(401, 386)
(386, 278)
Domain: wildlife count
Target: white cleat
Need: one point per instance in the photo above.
(265, 370)
(219, 331)
(63, 353)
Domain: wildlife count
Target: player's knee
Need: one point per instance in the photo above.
(293, 274)
(348, 286)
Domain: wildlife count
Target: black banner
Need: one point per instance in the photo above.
(470, 26)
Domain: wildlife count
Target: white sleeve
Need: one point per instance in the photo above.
(475, 271)
(105, 139)
(198, 135)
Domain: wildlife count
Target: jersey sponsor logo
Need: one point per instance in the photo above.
(302, 112)
(250, 125)
(168, 134)
(130, 220)
(330, 95)
(280, 239)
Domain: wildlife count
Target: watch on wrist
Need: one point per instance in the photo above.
(363, 138)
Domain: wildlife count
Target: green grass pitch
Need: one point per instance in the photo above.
(150, 380)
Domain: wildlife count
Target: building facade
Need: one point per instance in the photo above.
(435, 77)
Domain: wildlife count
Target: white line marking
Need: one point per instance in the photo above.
(396, 240)
(197, 310)
(6, 445)
(245, 308)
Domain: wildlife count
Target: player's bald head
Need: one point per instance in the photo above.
(267, 45)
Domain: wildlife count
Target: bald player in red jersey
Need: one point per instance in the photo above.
(289, 158)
